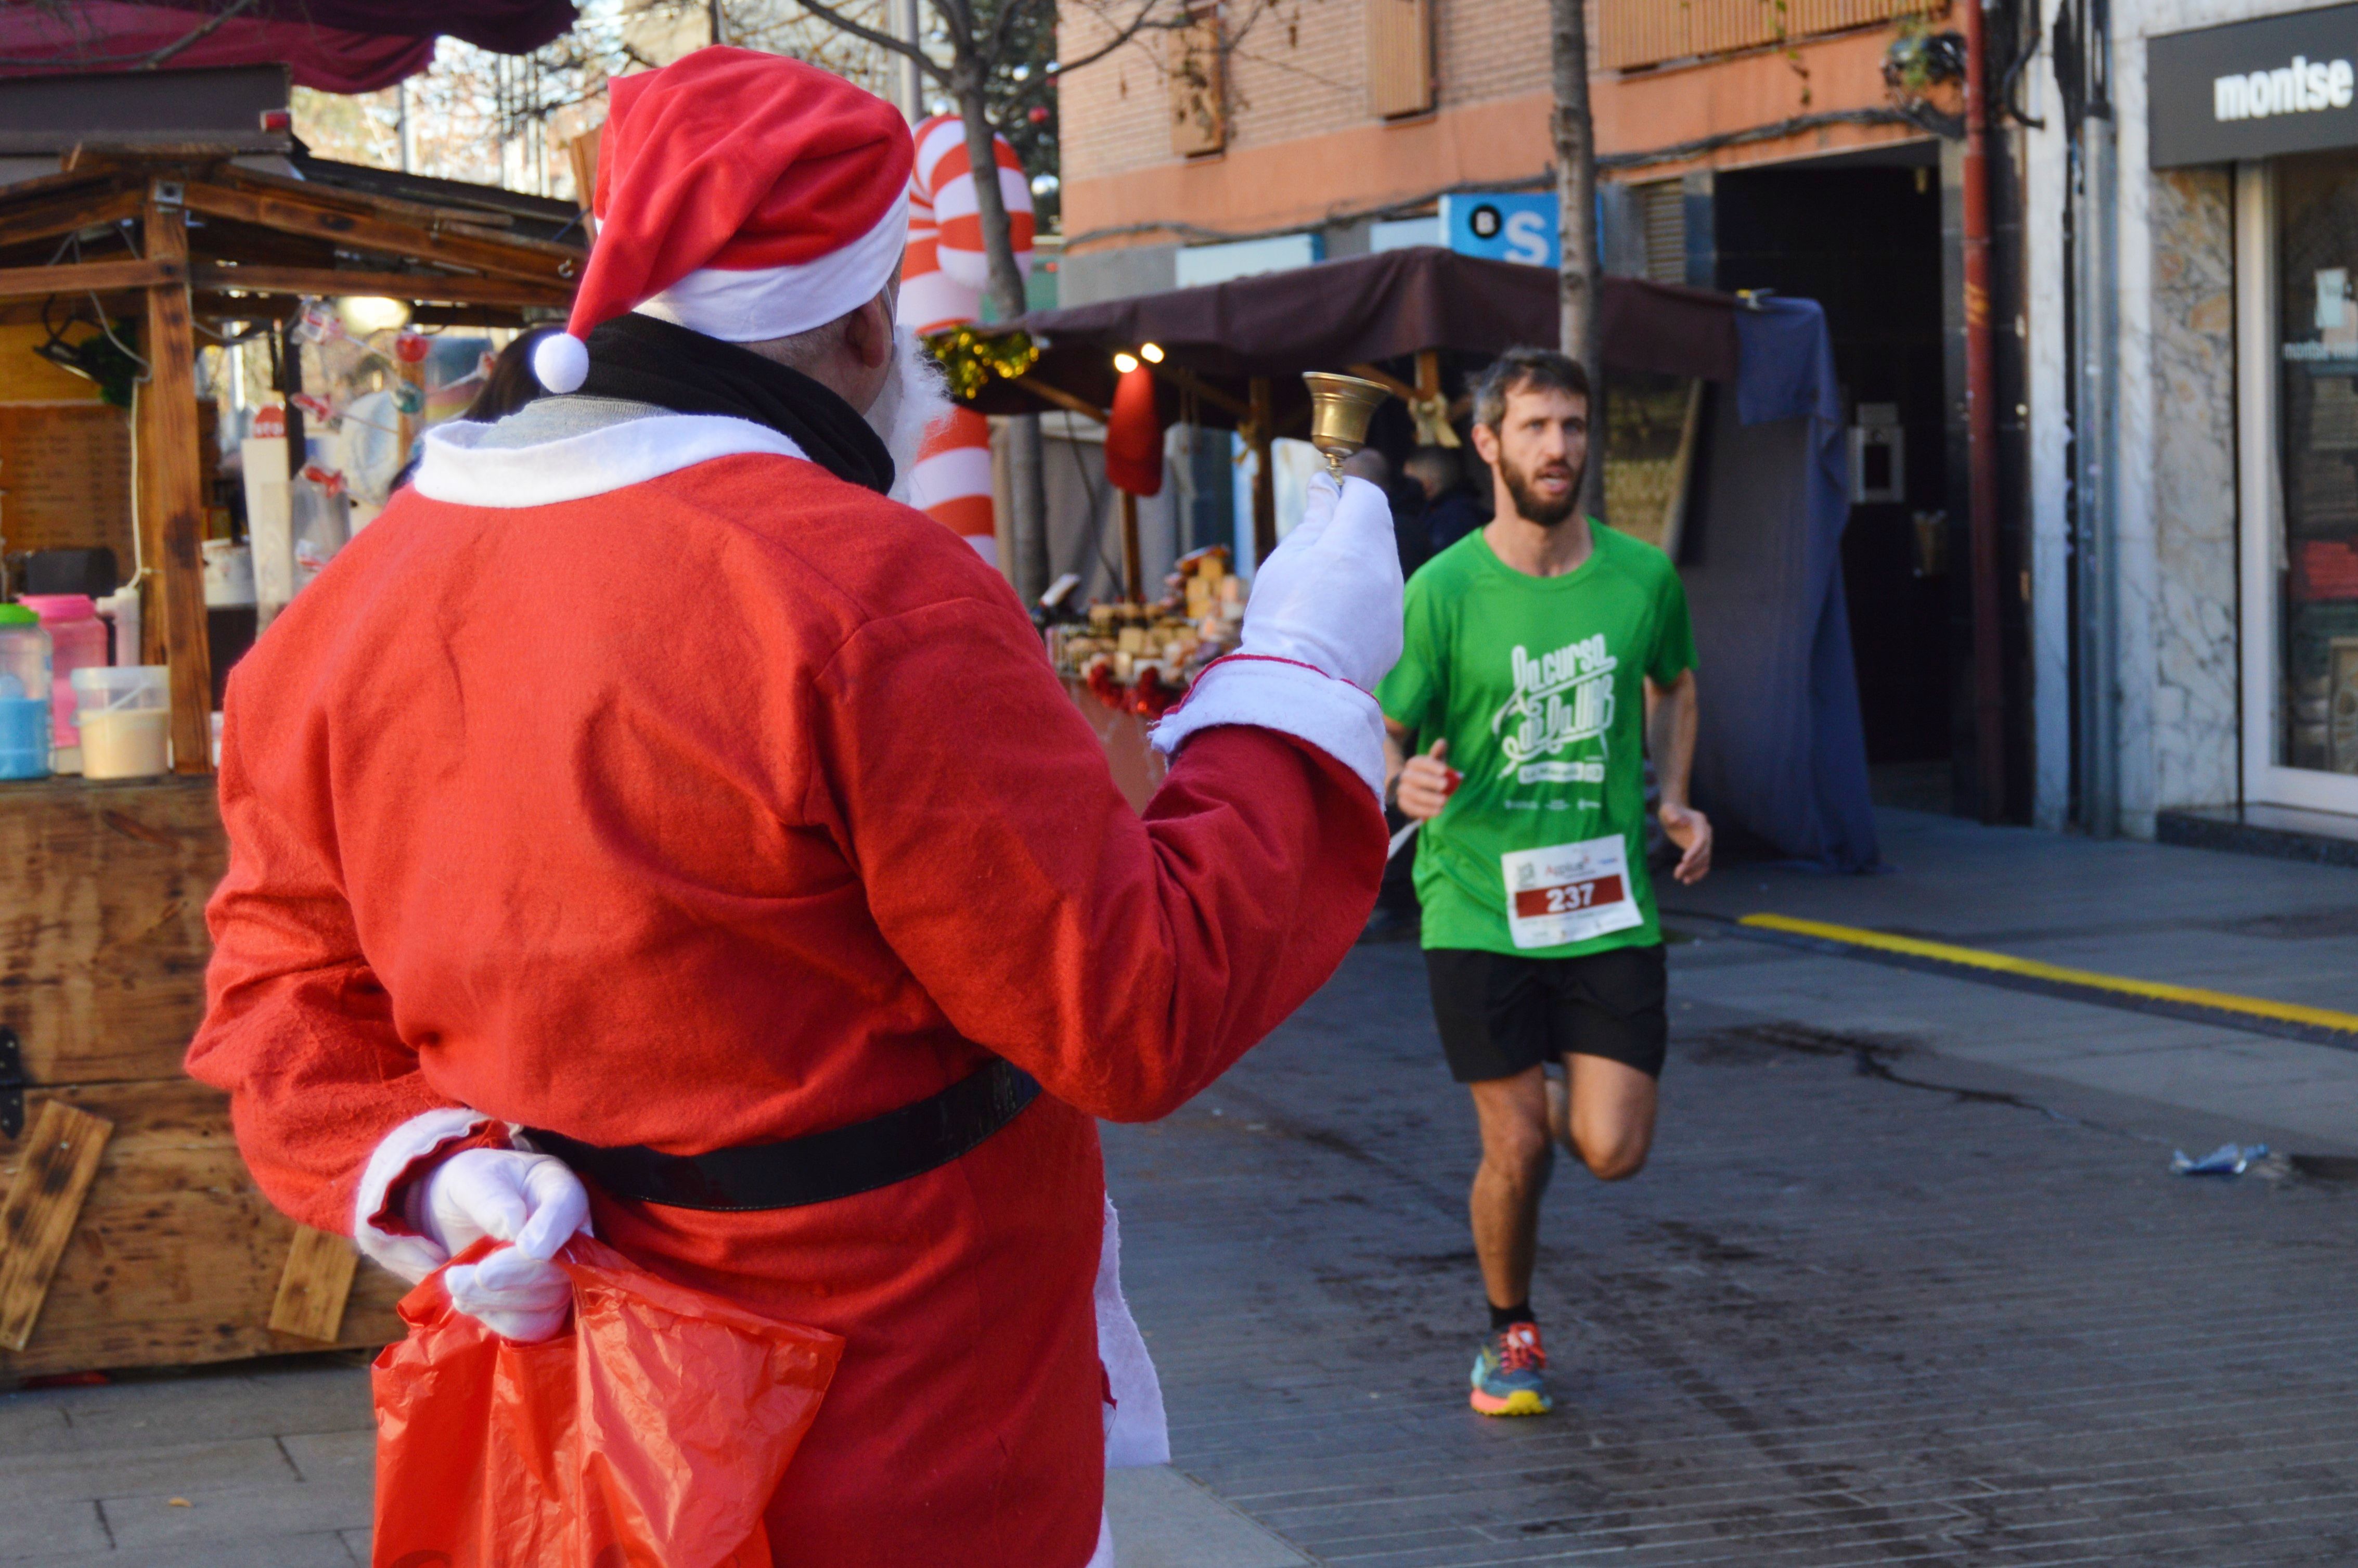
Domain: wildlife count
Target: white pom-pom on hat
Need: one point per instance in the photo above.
(561, 361)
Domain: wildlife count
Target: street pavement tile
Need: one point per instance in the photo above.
(1839, 1320)
(314, 1551)
(320, 1396)
(46, 1527)
(262, 1513)
(183, 1469)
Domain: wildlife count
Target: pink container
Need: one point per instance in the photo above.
(78, 640)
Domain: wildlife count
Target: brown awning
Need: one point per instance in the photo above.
(1366, 311)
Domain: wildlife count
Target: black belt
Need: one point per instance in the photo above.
(816, 1167)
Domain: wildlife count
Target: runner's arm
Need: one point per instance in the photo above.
(1671, 737)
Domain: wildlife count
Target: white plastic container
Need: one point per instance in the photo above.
(125, 714)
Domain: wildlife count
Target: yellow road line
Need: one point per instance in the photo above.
(2031, 969)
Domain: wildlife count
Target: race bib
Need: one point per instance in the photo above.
(1569, 893)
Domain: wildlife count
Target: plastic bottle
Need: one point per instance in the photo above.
(23, 694)
(77, 642)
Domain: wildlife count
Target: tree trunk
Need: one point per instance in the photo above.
(1575, 181)
(1006, 291)
(1575, 187)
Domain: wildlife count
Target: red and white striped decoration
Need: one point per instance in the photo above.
(941, 286)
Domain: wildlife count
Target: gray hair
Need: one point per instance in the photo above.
(1526, 370)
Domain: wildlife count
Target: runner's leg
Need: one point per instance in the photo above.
(1611, 1124)
(1611, 1022)
(1505, 1204)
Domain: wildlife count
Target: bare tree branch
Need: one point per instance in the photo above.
(168, 51)
(1003, 30)
(1122, 35)
(837, 19)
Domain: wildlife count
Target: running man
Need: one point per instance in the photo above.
(1541, 653)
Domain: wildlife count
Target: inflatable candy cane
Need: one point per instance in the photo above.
(941, 286)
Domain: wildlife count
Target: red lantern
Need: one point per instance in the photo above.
(1133, 445)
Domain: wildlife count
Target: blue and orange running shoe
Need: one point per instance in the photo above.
(1509, 1374)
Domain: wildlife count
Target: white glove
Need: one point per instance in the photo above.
(1329, 595)
(530, 1200)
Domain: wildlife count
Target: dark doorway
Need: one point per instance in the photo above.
(1865, 242)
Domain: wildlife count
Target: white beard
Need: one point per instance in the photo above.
(916, 398)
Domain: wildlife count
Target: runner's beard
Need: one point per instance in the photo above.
(916, 398)
(1528, 501)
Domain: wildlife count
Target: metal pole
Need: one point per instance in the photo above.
(1981, 432)
(1027, 481)
(2097, 545)
(908, 78)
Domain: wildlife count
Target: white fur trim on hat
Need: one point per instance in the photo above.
(560, 361)
(777, 302)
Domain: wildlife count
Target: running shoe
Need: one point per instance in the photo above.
(1509, 1375)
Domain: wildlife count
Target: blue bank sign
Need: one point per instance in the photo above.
(1513, 226)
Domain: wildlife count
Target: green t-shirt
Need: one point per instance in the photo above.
(1538, 686)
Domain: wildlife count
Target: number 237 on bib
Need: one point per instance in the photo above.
(1569, 893)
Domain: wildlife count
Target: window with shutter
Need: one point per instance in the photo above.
(1634, 33)
(1400, 57)
(1662, 206)
(1199, 115)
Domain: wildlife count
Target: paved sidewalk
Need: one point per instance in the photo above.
(1843, 1319)
(2273, 929)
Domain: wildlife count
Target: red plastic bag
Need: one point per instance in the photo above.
(650, 1434)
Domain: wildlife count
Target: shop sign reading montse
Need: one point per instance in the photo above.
(2255, 89)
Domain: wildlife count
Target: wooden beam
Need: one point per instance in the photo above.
(37, 1218)
(1188, 381)
(172, 498)
(1258, 434)
(450, 242)
(330, 282)
(65, 213)
(1047, 393)
(1385, 380)
(81, 278)
(314, 1286)
(1133, 565)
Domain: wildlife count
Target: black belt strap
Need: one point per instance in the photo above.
(817, 1167)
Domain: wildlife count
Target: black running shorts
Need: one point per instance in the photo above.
(1501, 1015)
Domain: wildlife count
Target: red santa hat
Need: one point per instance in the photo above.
(745, 196)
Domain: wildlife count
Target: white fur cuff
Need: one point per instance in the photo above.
(1277, 693)
(411, 1257)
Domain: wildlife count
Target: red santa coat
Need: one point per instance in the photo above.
(688, 796)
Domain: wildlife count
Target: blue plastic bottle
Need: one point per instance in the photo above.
(23, 694)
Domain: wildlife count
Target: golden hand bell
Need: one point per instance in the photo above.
(1340, 407)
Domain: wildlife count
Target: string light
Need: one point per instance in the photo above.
(1125, 363)
(1150, 352)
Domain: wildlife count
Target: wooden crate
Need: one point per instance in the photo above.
(170, 1257)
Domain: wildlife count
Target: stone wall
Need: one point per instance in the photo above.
(2194, 717)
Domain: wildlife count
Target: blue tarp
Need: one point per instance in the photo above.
(1782, 754)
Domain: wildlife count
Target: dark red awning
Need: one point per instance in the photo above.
(337, 46)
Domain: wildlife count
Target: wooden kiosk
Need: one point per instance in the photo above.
(130, 1233)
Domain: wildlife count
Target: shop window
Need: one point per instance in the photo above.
(1400, 57)
(2316, 246)
(1199, 116)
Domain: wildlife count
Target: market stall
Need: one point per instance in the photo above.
(130, 1234)
(1230, 356)
(1717, 436)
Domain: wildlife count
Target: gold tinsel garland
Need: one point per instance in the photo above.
(972, 355)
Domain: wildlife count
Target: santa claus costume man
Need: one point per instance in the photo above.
(649, 826)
